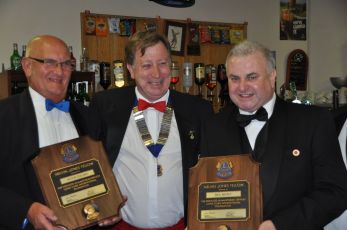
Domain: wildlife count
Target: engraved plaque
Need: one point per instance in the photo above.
(225, 193)
(78, 183)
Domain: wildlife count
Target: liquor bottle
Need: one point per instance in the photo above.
(105, 75)
(174, 74)
(211, 80)
(2, 68)
(187, 76)
(94, 66)
(199, 69)
(72, 58)
(82, 95)
(223, 80)
(84, 60)
(15, 58)
(118, 73)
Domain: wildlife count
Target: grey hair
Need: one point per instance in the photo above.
(246, 48)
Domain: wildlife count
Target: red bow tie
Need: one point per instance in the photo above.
(160, 105)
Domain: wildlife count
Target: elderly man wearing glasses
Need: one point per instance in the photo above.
(36, 118)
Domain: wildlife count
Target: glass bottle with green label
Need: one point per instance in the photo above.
(15, 58)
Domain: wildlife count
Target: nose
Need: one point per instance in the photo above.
(242, 84)
(155, 71)
(59, 68)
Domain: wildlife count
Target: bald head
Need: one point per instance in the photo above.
(43, 68)
(40, 43)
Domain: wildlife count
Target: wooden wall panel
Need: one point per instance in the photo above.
(111, 47)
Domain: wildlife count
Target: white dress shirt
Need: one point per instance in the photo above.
(54, 126)
(253, 128)
(153, 202)
(340, 223)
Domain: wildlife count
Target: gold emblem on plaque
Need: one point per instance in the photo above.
(91, 211)
(69, 152)
(223, 227)
(224, 169)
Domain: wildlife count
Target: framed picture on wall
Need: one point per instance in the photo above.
(175, 33)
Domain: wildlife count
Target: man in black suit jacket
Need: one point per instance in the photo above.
(155, 181)
(340, 116)
(23, 118)
(302, 174)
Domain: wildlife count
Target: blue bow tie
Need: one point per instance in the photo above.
(63, 105)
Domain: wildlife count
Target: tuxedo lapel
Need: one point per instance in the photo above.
(272, 158)
(28, 137)
(340, 116)
(120, 112)
(185, 123)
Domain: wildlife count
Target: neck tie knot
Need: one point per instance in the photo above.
(63, 105)
(160, 105)
(243, 120)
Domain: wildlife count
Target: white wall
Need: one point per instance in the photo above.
(22, 19)
(327, 43)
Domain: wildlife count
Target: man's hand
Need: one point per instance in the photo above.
(267, 225)
(41, 217)
(110, 221)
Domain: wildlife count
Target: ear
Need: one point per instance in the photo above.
(131, 71)
(273, 77)
(26, 65)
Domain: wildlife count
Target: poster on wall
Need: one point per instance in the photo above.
(293, 19)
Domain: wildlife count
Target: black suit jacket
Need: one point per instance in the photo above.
(19, 144)
(340, 116)
(112, 108)
(299, 192)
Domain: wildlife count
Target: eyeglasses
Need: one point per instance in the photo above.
(53, 64)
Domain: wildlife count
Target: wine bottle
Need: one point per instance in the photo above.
(72, 58)
(15, 58)
(24, 50)
(105, 75)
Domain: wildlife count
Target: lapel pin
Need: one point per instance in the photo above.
(296, 152)
(191, 135)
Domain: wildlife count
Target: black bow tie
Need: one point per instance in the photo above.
(243, 120)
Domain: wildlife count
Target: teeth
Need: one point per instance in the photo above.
(56, 80)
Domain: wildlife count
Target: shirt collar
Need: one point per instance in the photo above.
(165, 97)
(268, 106)
(38, 101)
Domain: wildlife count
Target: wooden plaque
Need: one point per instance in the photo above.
(77, 182)
(225, 193)
(297, 67)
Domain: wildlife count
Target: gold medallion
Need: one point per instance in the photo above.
(91, 211)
